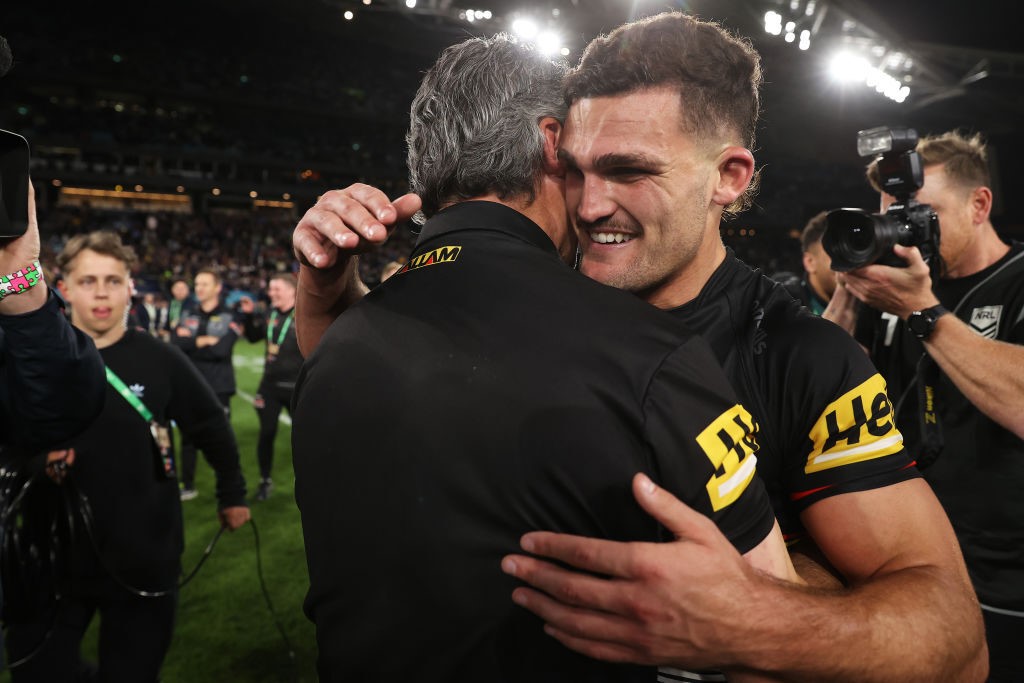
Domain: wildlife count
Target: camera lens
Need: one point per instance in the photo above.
(859, 238)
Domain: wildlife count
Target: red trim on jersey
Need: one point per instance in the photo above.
(803, 494)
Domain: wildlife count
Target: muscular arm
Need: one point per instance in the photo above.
(990, 373)
(909, 602)
(909, 608)
(340, 225)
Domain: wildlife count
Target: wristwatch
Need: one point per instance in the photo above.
(922, 323)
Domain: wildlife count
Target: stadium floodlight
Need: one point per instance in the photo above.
(411, 4)
(851, 68)
(348, 15)
(772, 23)
(548, 43)
(525, 28)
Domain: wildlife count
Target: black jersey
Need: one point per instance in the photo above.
(136, 510)
(825, 422)
(282, 359)
(499, 392)
(979, 474)
(213, 362)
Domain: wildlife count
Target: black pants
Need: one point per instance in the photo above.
(268, 403)
(1005, 636)
(188, 449)
(135, 634)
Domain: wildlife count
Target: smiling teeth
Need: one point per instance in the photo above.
(610, 237)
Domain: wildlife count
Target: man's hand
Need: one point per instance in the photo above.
(899, 291)
(206, 340)
(183, 332)
(649, 603)
(340, 225)
(346, 222)
(17, 254)
(246, 305)
(58, 463)
(233, 517)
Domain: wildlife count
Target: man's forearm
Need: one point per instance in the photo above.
(25, 302)
(322, 296)
(989, 373)
(914, 624)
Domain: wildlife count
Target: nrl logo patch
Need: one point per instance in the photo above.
(985, 320)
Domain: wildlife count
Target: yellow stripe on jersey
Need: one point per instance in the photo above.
(730, 442)
(857, 426)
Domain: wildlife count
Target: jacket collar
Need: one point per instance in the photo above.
(484, 215)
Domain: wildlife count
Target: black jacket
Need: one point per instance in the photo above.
(51, 379)
(486, 390)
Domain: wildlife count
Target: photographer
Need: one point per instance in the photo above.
(955, 342)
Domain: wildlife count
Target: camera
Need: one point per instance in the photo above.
(856, 238)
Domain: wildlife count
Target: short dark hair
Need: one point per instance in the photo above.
(717, 73)
(211, 272)
(103, 242)
(286, 278)
(814, 230)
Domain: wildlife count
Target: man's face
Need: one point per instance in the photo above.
(281, 294)
(637, 190)
(818, 265)
(179, 290)
(207, 288)
(98, 288)
(952, 204)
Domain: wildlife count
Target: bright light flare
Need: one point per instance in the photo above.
(548, 43)
(525, 28)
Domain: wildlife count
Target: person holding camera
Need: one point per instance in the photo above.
(950, 349)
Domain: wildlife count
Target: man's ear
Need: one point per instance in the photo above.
(981, 204)
(552, 131)
(735, 170)
(809, 265)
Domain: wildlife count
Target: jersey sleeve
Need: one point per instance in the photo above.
(838, 430)
(704, 444)
(200, 415)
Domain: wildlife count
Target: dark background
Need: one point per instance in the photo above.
(289, 98)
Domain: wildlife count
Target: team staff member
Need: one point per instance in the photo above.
(207, 335)
(498, 390)
(962, 337)
(814, 290)
(281, 366)
(122, 466)
(657, 147)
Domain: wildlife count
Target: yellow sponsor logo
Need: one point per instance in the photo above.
(857, 426)
(730, 443)
(430, 258)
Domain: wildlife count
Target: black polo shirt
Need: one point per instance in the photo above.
(979, 474)
(484, 391)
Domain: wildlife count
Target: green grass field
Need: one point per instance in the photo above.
(225, 631)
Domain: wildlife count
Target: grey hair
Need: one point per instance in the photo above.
(473, 123)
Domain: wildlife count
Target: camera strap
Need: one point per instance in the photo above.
(161, 436)
(932, 441)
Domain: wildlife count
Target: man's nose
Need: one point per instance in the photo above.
(595, 200)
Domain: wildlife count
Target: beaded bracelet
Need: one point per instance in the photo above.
(21, 280)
